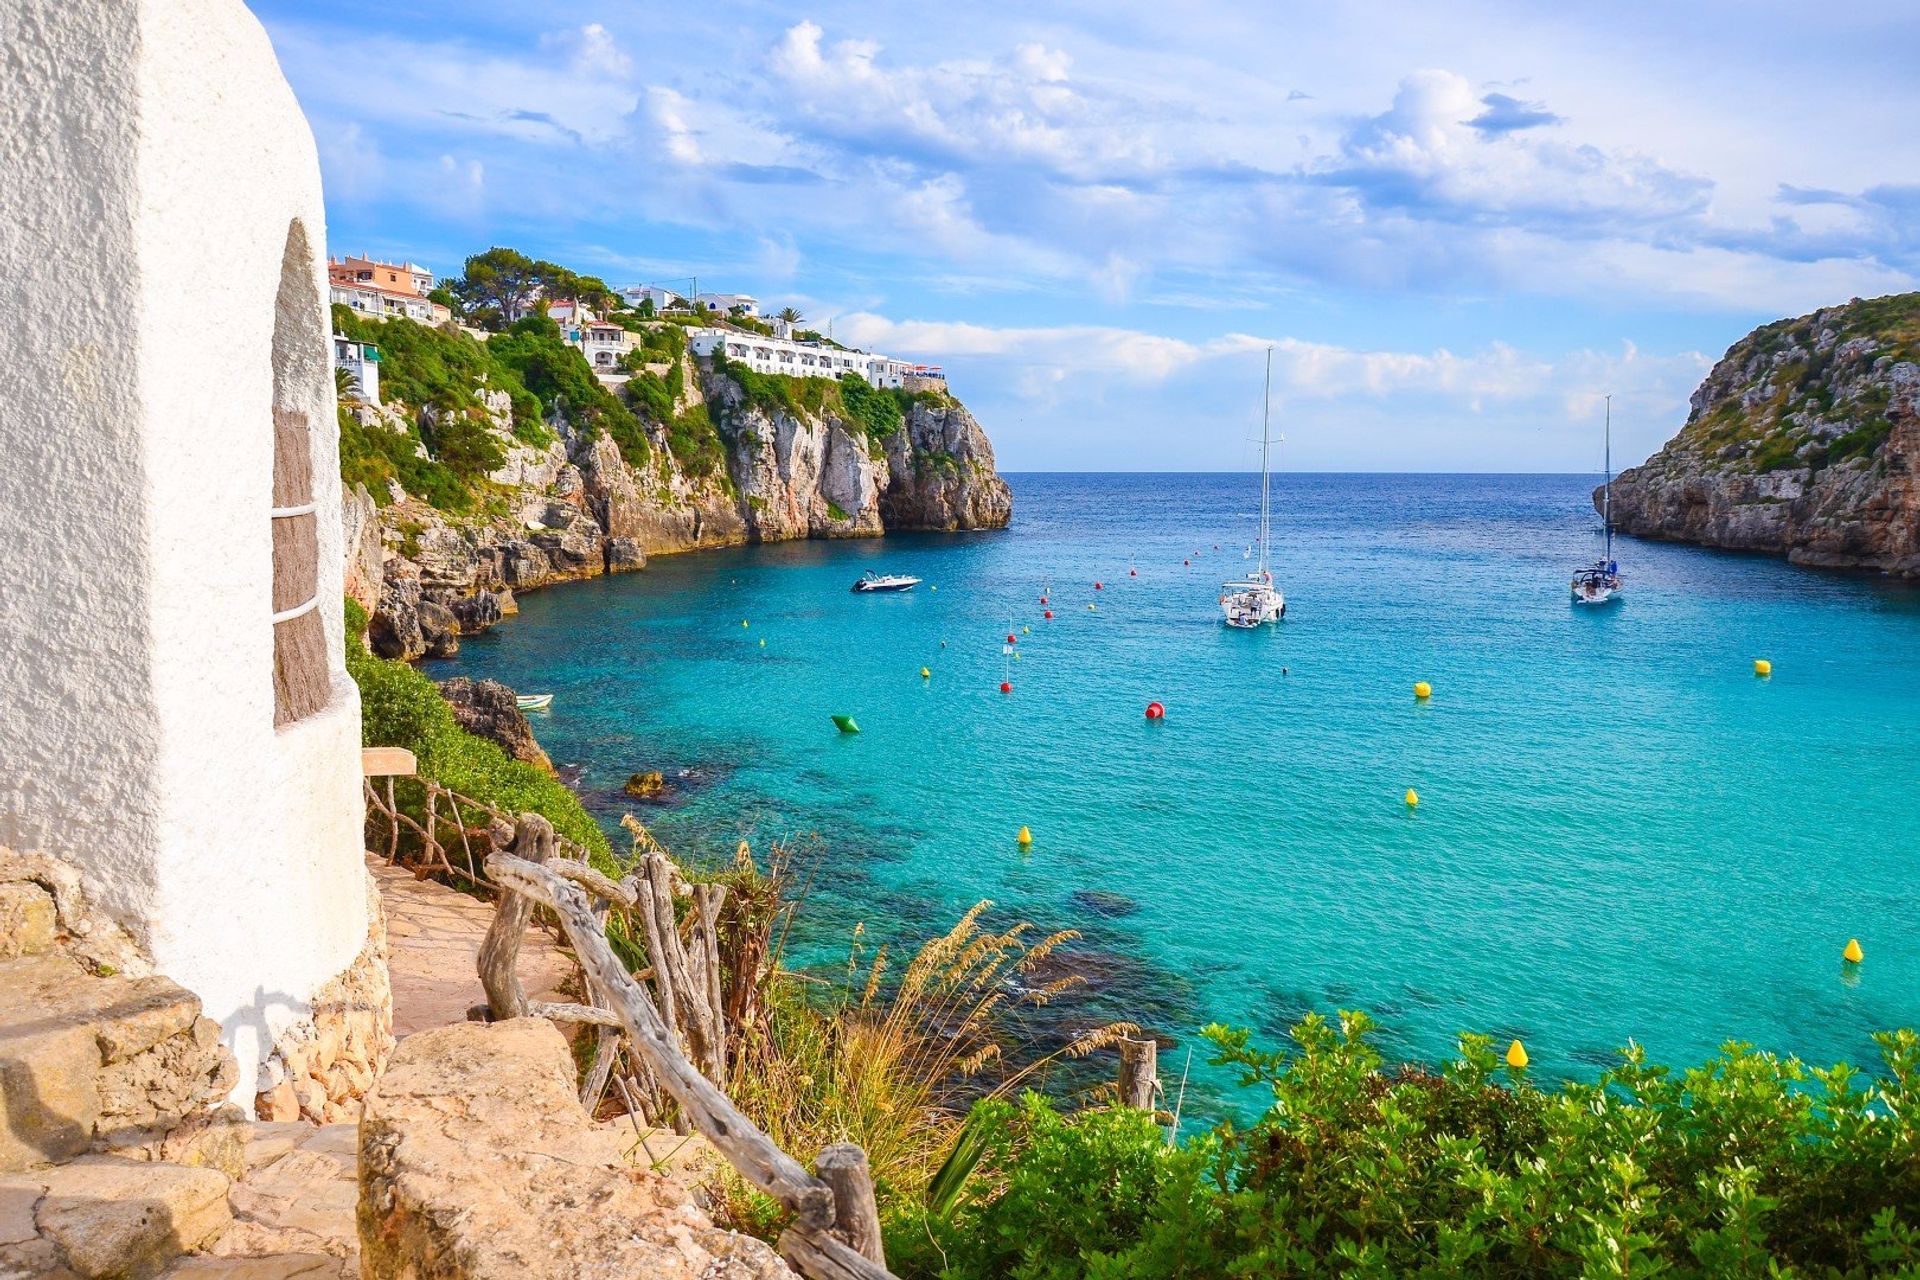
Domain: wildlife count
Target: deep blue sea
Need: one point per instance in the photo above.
(1622, 831)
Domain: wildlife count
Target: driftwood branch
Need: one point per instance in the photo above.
(749, 1150)
(561, 1012)
(500, 949)
(856, 1214)
(827, 1257)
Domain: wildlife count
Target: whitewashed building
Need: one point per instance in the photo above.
(176, 717)
(726, 302)
(806, 359)
(361, 360)
(663, 299)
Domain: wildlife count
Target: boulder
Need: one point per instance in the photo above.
(477, 1162)
(491, 710)
(648, 785)
(127, 1219)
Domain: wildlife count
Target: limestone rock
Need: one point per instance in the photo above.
(121, 1218)
(491, 710)
(27, 920)
(360, 520)
(478, 1163)
(1804, 440)
(942, 473)
(648, 785)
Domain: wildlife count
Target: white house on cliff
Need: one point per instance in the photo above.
(176, 718)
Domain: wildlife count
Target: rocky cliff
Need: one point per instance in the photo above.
(1803, 441)
(780, 461)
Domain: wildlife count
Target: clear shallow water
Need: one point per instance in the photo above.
(1623, 833)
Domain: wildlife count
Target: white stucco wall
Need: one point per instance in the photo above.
(140, 144)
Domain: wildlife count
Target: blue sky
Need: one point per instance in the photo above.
(1458, 223)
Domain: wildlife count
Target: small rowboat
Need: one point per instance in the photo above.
(534, 701)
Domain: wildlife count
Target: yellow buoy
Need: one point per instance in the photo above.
(763, 642)
(1026, 836)
(743, 622)
(1413, 798)
(925, 673)
(1516, 1055)
(1026, 631)
(1853, 954)
(1761, 667)
(1092, 607)
(1422, 689)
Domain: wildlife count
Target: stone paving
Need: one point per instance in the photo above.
(433, 941)
(293, 1212)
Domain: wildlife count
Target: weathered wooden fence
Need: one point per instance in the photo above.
(836, 1225)
(676, 1036)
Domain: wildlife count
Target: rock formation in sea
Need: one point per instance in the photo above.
(1803, 441)
(579, 507)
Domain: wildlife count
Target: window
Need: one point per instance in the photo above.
(301, 381)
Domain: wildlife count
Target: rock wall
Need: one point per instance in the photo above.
(1804, 440)
(323, 1065)
(577, 509)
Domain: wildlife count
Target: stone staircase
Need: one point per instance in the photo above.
(119, 1154)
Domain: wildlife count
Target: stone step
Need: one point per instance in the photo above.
(91, 1061)
(102, 1216)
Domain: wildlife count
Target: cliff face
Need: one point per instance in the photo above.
(1803, 441)
(577, 508)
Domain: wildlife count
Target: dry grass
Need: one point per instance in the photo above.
(888, 1057)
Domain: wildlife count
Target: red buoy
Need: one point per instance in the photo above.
(1006, 686)
(1099, 586)
(1010, 639)
(1133, 573)
(1047, 614)
(1155, 711)
(1043, 599)
(1187, 563)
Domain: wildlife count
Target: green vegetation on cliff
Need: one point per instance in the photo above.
(400, 707)
(1748, 1165)
(1806, 392)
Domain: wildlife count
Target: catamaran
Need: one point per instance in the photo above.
(1601, 582)
(1254, 601)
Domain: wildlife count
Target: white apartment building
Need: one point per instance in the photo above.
(799, 359)
(361, 360)
(385, 304)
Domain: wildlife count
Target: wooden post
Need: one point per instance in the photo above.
(856, 1214)
(500, 949)
(1139, 1072)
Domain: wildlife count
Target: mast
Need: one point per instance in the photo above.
(1606, 503)
(1266, 418)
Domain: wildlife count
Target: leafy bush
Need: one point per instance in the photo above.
(879, 412)
(374, 455)
(400, 707)
(1748, 1165)
(561, 378)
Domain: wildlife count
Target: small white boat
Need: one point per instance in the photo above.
(1601, 582)
(885, 582)
(1254, 601)
(533, 701)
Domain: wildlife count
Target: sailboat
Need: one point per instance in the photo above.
(1255, 601)
(1601, 582)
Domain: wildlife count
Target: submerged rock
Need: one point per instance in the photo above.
(1104, 903)
(648, 785)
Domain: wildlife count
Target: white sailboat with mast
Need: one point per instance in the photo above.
(1601, 582)
(1255, 601)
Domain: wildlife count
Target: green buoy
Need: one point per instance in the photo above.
(846, 724)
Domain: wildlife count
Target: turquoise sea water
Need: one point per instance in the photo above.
(1622, 832)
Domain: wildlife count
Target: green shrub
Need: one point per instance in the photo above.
(1747, 1165)
(560, 377)
(400, 707)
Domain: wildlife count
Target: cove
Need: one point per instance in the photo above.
(1622, 832)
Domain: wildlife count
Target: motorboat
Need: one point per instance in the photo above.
(533, 701)
(885, 582)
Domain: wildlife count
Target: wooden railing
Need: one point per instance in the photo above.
(836, 1225)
